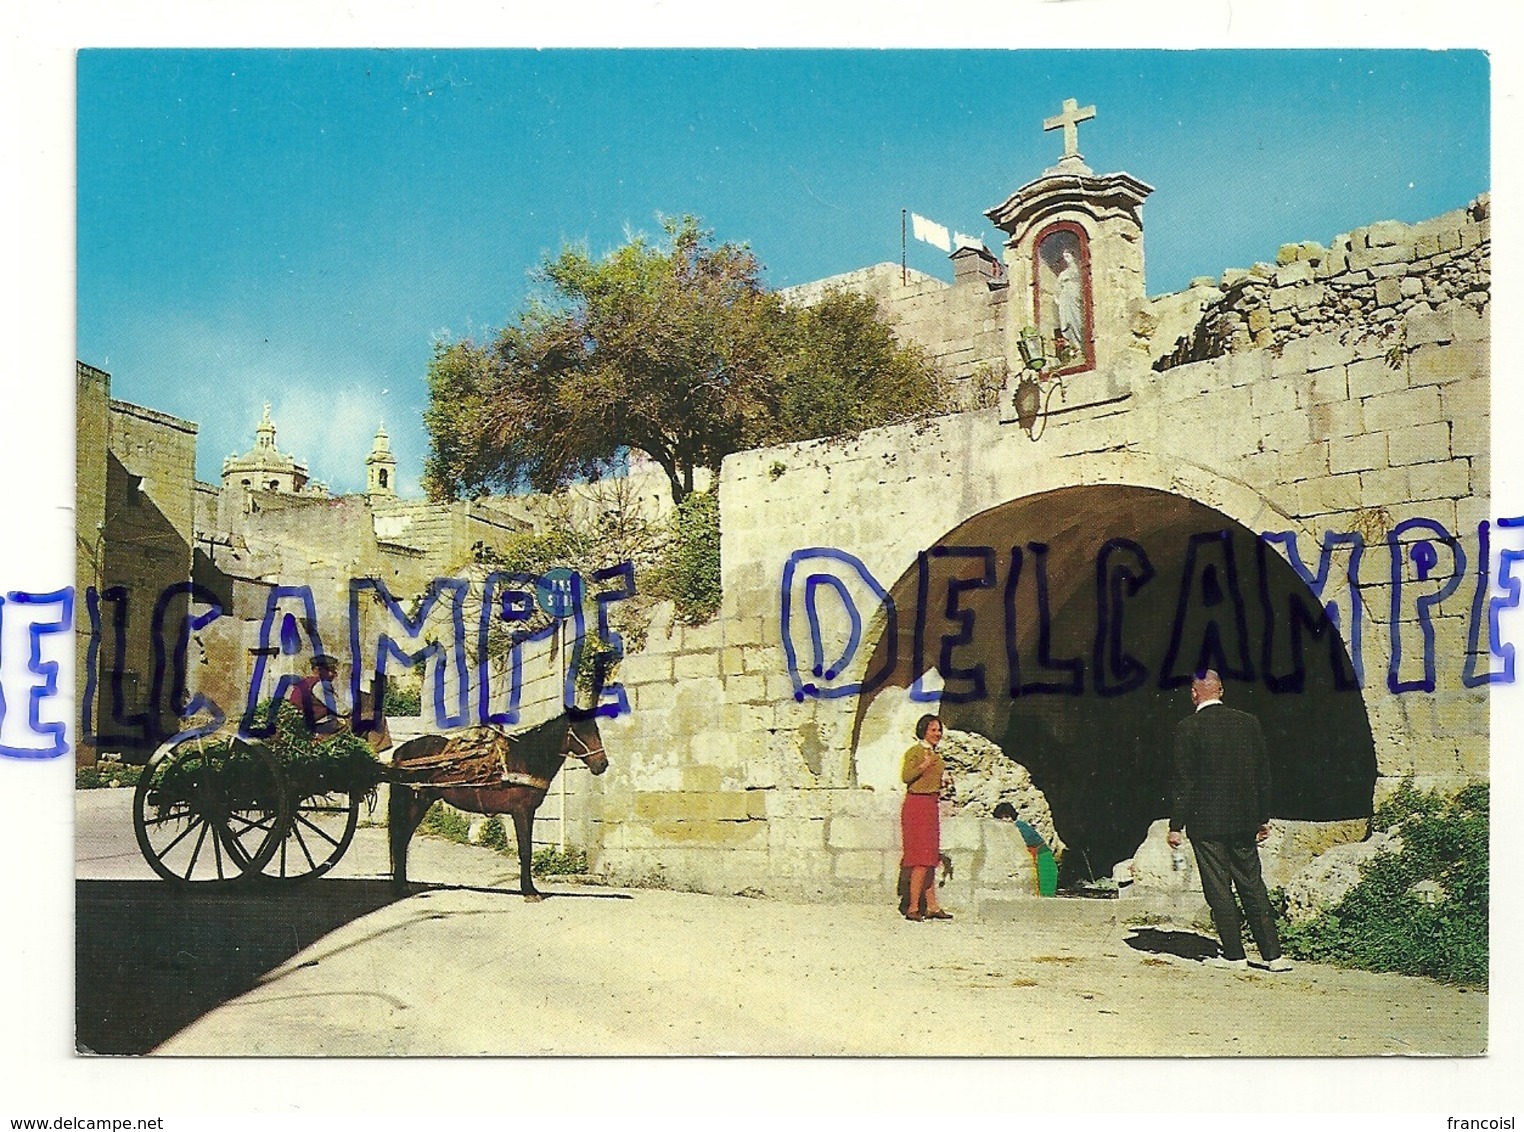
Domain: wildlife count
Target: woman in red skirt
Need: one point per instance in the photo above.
(922, 774)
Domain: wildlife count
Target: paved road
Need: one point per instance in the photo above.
(463, 965)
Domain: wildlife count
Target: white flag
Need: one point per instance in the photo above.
(930, 231)
(963, 240)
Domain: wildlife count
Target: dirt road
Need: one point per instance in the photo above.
(466, 966)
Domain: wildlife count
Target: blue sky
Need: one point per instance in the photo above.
(299, 227)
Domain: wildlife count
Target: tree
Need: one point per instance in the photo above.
(840, 370)
(674, 349)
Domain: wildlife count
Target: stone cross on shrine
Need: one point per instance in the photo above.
(1068, 120)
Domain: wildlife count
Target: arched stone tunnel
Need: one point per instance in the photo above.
(1142, 588)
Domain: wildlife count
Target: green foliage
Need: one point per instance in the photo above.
(552, 862)
(312, 766)
(688, 571)
(317, 765)
(104, 775)
(656, 346)
(451, 824)
(402, 701)
(494, 836)
(673, 348)
(1383, 924)
(839, 370)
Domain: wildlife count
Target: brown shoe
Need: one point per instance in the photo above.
(916, 917)
(939, 914)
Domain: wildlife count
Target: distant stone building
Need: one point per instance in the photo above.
(266, 468)
(135, 492)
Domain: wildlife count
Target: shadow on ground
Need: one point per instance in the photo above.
(1185, 945)
(150, 958)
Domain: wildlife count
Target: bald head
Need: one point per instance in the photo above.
(1207, 686)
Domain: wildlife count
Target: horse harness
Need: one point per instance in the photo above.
(458, 765)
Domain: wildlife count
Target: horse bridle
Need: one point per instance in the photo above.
(586, 752)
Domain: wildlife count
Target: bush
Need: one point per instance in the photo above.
(688, 571)
(494, 836)
(451, 824)
(1420, 911)
(553, 862)
(402, 702)
(103, 775)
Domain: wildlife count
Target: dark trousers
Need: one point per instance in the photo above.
(1234, 863)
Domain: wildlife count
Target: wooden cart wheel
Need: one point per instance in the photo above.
(320, 829)
(209, 811)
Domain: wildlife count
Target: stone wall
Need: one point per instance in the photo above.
(1366, 282)
(962, 325)
(149, 461)
(722, 780)
(92, 400)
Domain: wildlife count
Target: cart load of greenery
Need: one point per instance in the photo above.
(1422, 910)
(232, 772)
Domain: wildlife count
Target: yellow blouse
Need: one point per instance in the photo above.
(929, 781)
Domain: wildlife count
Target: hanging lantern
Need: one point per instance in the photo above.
(1029, 343)
(1028, 403)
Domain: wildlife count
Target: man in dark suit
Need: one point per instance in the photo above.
(1222, 795)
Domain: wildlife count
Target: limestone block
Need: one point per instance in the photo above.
(1336, 418)
(732, 661)
(1333, 493)
(1472, 325)
(1441, 511)
(1450, 479)
(1388, 291)
(1283, 431)
(1412, 287)
(1357, 453)
(962, 832)
(1460, 712)
(1326, 349)
(1307, 462)
(1385, 485)
(725, 834)
(1282, 299)
(1436, 364)
(864, 865)
(1385, 233)
(1328, 385)
(1267, 397)
(746, 689)
(1292, 845)
(1372, 376)
(762, 661)
(797, 834)
(1299, 271)
(779, 687)
(847, 832)
(1323, 882)
(643, 668)
(1419, 444)
(1469, 512)
(1153, 865)
(1007, 864)
(1427, 325)
(1470, 435)
(1403, 407)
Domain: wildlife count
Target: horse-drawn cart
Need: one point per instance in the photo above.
(220, 808)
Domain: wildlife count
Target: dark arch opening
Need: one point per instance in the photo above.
(1100, 748)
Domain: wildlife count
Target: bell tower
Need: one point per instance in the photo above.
(1074, 254)
(381, 466)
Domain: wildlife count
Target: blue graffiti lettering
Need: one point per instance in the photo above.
(1425, 558)
(45, 687)
(1116, 671)
(1211, 583)
(826, 559)
(1320, 623)
(388, 647)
